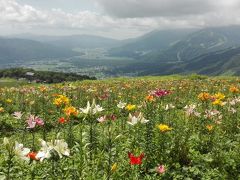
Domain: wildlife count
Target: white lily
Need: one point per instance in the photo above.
(87, 109)
(91, 109)
(211, 113)
(44, 152)
(21, 152)
(232, 110)
(97, 108)
(60, 146)
(191, 110)
(133, 120)
(121, 105)
(101, 119)
(235, 101)
(169, 106)
(17, 115)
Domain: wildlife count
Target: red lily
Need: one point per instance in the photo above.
(32, 156)
(62, 120)
(135, 160)
(112, 117)
(161, 92)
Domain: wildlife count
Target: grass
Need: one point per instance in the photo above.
(6, 82)
(168, 127)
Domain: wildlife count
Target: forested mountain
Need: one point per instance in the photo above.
(13, 50)
(157, 40)
(198, 43)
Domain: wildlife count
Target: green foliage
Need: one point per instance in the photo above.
(197, 139)
(42, 76)
(197, 77)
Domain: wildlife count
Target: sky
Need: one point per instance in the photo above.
(119, 19)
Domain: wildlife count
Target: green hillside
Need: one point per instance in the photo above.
(198, 43)
(13, 50)
(41, 76)
(155, 40)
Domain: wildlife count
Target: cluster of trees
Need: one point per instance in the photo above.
(42, 76)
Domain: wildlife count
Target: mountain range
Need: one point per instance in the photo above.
(157, 40)
(198, 43)
(14, 50)
(212, 51)
(73, 41)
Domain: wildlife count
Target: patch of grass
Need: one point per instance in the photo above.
(6, 82)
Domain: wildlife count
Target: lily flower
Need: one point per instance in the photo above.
(164, 128)
(34, 121)
(21, 152)
(17, 115)
(32, 156)
(121, 105)
(60, 146)
(160, 169)
(133, 120)
(135, 160)
(191, 110)
(160, 93)
(102, 119)
(91, 109)
(169, 106)
(44, 152)
(62, 120)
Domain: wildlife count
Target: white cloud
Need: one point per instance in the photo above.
(165, 8)
(11, 11)
(153, 8)
(120, 19)
(27, 17)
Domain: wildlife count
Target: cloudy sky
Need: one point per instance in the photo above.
(113, 18)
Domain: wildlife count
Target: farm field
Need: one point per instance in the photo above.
(173, 127)
(7, 82)
(100, 67)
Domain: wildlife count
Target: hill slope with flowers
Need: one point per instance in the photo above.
(142, 128)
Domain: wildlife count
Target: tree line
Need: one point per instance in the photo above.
(42, 76)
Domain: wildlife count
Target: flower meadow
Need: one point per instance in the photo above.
(122, 129)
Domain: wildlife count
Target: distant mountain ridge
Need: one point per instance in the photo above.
(13, 49)
(198, 43)
(223, 62)
(216, 63)
(157, 40)
(73, 41)
(212, 51)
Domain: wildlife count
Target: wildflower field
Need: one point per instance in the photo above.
(145, 128)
